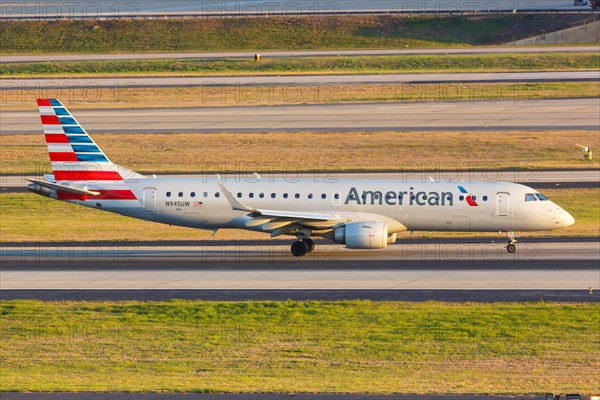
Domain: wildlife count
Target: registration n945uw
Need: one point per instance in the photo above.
(361, 214)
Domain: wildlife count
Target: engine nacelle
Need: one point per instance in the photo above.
(362, 235)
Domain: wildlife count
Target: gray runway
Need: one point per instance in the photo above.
(535, 179)
(411, 295)
(294, 81)
(578, 114)
(12, 59)
(182, 8)
(544, 265)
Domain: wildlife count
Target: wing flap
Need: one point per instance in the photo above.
(298, 215)
(256, 221)
(270, 226)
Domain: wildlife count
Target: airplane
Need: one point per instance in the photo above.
(360, 214)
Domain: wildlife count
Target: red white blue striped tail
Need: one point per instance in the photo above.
(73, 153)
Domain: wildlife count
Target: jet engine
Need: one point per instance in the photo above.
(362, 235)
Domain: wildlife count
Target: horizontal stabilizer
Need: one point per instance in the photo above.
(49, 178)
(65, 188)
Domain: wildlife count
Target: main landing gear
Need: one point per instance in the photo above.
(302, 247)
(510, 247)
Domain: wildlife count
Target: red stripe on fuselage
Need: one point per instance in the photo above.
(50, 120)
(58, 156)
(470, 201)
(104, 195)
(62, 195)
(56, 138)
(115, 195)
(87, 176)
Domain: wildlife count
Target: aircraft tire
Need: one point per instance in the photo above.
(310, 243)
(299, 248)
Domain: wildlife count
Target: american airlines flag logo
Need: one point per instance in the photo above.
(197, 203)
(468, 198)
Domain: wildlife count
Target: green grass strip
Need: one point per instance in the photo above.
(348, 65)
(348, 346)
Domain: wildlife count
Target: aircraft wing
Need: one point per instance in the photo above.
(288, 222)
(297, 215)
(281, 222)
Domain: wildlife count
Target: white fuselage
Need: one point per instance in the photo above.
(403, 205)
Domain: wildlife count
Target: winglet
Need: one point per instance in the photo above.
(236, 205)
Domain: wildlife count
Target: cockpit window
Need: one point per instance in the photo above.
(530, 197)
(541, 197)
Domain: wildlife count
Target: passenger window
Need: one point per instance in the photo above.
(168, 194)
(251, 195)
(297, 195)
(323, 196)
(239, 195)
(530, 197)
(217, 194)
(205, 194)
(541, 197)
(461, 198)
(285, 195)
(273, 195)
(336, 196)
(310, 195)
(193, 194)
(484, 198)
(180, 194)
(261, 195)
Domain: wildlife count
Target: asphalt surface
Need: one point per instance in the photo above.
(535, 179)
(413, 295)
(425, 266)
(559, 114)
(12, 59)
(181, 8)
(291, 82)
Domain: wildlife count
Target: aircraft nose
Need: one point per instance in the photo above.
(566, 219)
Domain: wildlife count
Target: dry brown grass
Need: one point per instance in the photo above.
(280, 95)
(317, 151)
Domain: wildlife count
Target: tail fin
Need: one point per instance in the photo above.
(73, 153)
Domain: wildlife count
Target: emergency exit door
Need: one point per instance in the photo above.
(502, 204)
(149, 199)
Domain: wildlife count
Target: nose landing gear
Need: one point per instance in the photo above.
(510, 247)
